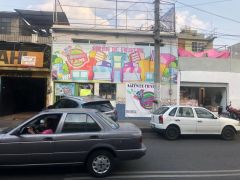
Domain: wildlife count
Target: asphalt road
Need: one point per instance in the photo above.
(190, 157)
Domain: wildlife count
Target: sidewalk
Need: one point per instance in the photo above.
(12, 119)
(9, 120)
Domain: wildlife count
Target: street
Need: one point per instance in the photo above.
(190, 157)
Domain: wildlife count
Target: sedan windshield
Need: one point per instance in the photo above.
(108, 120)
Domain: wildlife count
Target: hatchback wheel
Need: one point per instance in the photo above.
(228, 133)
(172, 133)
(100, 163)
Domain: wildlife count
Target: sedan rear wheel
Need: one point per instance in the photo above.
(100, 163)
(172, 133)
(228, 133)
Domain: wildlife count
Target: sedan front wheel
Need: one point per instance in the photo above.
(100, 163)
(228, 133)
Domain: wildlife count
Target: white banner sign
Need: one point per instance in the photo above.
(28, 60)
(139, 99)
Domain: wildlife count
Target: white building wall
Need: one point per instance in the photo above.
(232, 79)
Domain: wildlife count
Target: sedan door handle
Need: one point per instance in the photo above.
(177, 119)
(48, 139)
(199, 121)
(94, 137)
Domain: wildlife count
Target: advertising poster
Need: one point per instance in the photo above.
(64, 89)
(139, 99)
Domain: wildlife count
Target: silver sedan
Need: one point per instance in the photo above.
(73, 136)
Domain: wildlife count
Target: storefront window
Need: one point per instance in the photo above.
(107, 91)
(86, 89)
(208, 97)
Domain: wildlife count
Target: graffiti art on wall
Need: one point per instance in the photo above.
(139, 99)
(81, 62)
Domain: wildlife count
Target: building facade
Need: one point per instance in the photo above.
(208, 77)
(25, 53)
(114, 64)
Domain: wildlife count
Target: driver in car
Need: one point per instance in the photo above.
(48, 129)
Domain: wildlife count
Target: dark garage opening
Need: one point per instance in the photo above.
(21, 94)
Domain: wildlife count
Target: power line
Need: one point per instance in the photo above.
(101, 24)
(129, 1)
(90, 7)
(201, 4)
(208, 12)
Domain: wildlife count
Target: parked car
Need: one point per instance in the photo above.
(91, 102)
(79, 137)
(173, 121)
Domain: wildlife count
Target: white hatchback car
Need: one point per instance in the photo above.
(176, 120)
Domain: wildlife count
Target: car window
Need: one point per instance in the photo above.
(75, 123)
(202, 113)
(185, 112)
(161, 110)
(38, 123)
(173, 112)
(108, 120)
(66, 103)
(102, 106)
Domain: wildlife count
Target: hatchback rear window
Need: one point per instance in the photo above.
(102, 106)
(161, 110)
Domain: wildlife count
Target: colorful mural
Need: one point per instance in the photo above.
(85, 62)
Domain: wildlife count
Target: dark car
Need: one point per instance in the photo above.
(89, 102)
(77, 137)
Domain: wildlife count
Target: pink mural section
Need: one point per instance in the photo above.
(111, 64)
(211, 53)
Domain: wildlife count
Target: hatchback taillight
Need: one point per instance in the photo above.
(160, 119)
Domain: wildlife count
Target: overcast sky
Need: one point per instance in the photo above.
(226, 25)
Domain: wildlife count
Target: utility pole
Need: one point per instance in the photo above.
(116, 25)
(157, 43)
(55, 19)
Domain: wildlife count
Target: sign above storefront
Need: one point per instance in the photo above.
(21, 58)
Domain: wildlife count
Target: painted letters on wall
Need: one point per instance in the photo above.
(21, 58)
(89, 62)
(139, 99)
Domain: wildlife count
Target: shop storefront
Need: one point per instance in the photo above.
(208, 95)
(24, 78)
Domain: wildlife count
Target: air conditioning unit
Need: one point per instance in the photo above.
(34, 38)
